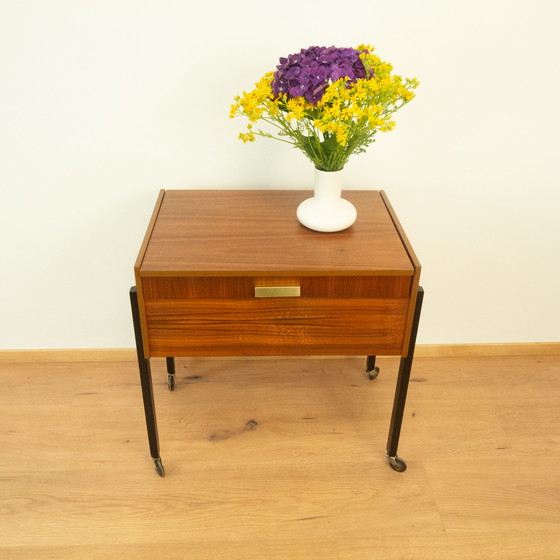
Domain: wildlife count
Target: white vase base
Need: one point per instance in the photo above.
(326, 216)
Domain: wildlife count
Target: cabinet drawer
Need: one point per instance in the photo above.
(243, 287)
(276, 326)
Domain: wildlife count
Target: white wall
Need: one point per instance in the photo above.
(102, 103)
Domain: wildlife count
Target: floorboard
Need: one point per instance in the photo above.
(281, 458)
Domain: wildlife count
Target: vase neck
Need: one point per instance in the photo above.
(328, 184)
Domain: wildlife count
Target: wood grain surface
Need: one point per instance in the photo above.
(243, 287)
(256, 232)
(280, 459)
(276, 327)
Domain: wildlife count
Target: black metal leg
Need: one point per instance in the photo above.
(146, 383)
(170, 373)
(170, 365)
(401, 390)
(371, 371)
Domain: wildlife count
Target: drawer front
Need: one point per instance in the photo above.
(183, 320)
(223, 287)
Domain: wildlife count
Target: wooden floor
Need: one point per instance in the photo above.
(280, 459)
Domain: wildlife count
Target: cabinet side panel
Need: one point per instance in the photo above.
(416, 276)
(138, 273)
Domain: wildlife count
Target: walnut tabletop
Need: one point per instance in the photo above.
(225, 232)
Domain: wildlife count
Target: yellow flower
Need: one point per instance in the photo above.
(389, 125)
(364, 47)
(346, 113)
(297, 113)
(341, 132)
(246, 137)
(273, 108)
(319, 125)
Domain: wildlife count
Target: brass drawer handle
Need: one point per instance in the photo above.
(277, 291)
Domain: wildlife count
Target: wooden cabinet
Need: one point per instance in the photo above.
(228, 273)
(206, 252)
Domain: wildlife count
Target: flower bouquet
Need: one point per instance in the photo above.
(329, 102)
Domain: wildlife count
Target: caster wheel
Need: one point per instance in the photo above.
(373, 373)
(397, 464)
(159, 467)
(171, 381)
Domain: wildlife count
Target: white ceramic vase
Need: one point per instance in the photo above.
(327, 211)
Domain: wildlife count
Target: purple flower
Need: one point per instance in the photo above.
(309, 72)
